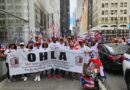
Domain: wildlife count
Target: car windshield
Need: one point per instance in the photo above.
(128, 51)
(116, 48)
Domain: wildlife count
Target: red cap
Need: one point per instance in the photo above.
(37, 43)
(81, 41)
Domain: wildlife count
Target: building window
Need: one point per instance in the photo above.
(106, 12)
(2, 22)
(102, 19)
(2, 7)
(115, 4)
(106, 5)
(18, 7)
(102, 12)
(2, 1)
(19, 14)
(103, 5)
(112, 19)
(123, 26)
(104, 26)
(112, 12)
(113, 25)
(121, 4)
(121, 18)
(10, 7)
(9, 1)
(125, 4)
(112, 4)
(125, 18)
(106, 19)
(121, 12)
(125, 11)
(2, 15)
(18, 1)
(115, 18)
(115, 12)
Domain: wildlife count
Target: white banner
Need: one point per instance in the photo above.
(40, 60)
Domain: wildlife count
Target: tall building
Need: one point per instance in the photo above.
(90, 13)
(52, 16)
(112, 17)
(21, 17)
(3, 31)
(64, 17)
(82, 16)
(78, 16)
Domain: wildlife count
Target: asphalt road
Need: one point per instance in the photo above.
(44, 84)
(115, 81)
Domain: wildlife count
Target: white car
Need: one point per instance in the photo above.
(126, 68)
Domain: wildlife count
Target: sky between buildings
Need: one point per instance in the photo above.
(72, 10)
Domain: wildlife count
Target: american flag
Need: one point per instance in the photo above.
(52, 26)
(89, 35)
(98, 35)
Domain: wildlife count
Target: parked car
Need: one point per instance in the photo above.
(126, 68)
(111, 55)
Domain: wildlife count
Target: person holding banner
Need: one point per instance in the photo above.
(55, 45)
(29, 46)
(22, 48)
(12, 48)
(71, 46)
(62, 45)
(86, 51)
(37, 48)
(45, 47)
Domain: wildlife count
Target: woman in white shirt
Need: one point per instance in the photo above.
(28, 48)
(12, 48)
(22, 49)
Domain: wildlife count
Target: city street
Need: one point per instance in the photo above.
(115, 81)
(41, 40)
(44, 84)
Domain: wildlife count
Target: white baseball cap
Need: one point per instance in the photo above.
(22, 43)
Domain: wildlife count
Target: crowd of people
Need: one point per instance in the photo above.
(69, 42)
(88, 46)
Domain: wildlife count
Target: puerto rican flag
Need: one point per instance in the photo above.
(101, 69)
(87, 82)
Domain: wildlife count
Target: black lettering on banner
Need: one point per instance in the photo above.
(53, 55)
(62, 56)
(31, 57)
(43, 56)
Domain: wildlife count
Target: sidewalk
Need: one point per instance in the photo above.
(44, 84)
